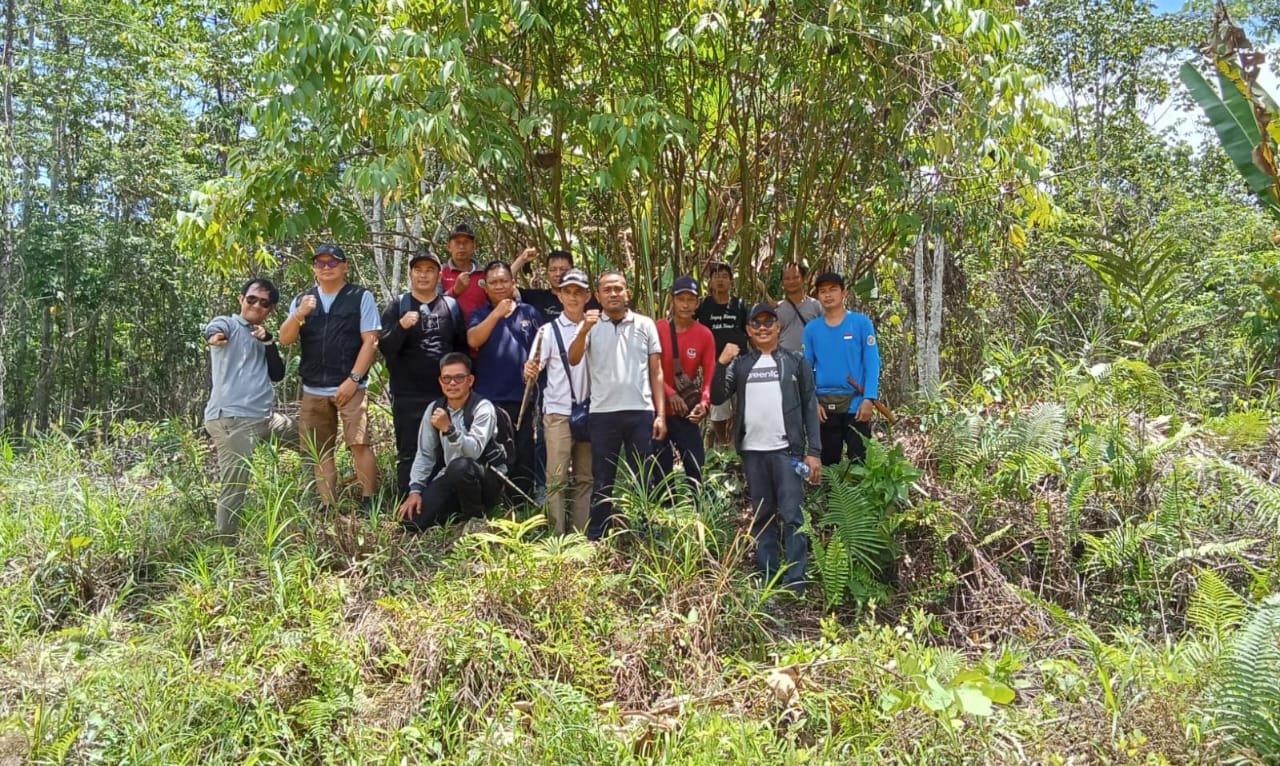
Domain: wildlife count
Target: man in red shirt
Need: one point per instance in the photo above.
(686, 337)
(461, 277)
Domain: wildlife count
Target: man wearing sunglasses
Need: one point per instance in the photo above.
(244, 362)
(454, 471)
(776, 431)
(338, 325)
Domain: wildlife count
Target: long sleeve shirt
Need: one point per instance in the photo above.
(435, 450)
(845, 351)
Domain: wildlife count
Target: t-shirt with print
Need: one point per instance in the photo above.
(727, 321)
(766, 431)
(499, 364)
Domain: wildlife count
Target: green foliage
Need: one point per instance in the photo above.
(1246, 698)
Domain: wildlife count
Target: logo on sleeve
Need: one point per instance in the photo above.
(871, 340)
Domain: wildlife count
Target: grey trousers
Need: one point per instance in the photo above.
(235, 440)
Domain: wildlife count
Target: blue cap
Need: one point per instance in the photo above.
(685, 284)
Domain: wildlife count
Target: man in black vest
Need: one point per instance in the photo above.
(418, 329)
(338, 325)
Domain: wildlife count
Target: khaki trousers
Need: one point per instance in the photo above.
(235, 440)
(562, 456)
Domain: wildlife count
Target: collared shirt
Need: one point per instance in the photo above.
(241, 387)
(499, 364)
(474, 296)
(556, 398)
(465, 442)
(618, 363)
(792, 317)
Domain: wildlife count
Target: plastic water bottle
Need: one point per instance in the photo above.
(801, 468)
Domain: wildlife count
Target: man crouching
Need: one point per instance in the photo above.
(455, 472)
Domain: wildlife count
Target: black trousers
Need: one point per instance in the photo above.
(684, 436)
(524, 469)
(841, 431)
(616, 437)
(464, 489)
(407, 416)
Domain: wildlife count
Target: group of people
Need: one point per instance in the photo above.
(473, 359)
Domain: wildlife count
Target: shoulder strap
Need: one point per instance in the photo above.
(455, 310)
(564, 359)
(675, 342)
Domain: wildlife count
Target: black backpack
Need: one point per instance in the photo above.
(501, 448)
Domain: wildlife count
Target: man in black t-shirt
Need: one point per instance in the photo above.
(726, 316)
(547, 302)
(418, 329)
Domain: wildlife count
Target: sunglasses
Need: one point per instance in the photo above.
(453, 379)
(254, 300)
(327, 263)
(763, 324)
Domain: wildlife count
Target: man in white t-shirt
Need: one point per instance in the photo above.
(568, 461)
(777, 433)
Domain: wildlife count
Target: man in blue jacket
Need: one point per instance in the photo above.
(775, 430)
(841, 347)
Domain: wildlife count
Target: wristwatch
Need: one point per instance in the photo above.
(357, 377)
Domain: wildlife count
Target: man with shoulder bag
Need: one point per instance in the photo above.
(688, 362)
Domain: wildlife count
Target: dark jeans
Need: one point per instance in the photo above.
(777, 494)
(615, 437)
(407, 417)
(523, 470)
(840, 431)
(464, 489)
(686, 437)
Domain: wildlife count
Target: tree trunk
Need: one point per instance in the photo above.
(928, 312)
(8, 237)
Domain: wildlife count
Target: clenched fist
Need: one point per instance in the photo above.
(460, 286)
(591, 318)
(440, 420)
(409, 319)
(306, 305)
(729, 354)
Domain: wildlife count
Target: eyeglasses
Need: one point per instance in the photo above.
(763, 324)
(453, 380)
(255, 300)
(327, 263)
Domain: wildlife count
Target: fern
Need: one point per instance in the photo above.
(1119, 547)
(1247, 697)
(1214, 607)
(857, 523)
(1262, 495)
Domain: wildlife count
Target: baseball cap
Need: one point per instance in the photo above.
(762, 308)
(829, 278)
(329, 249)
(575, 277)
(462, 230)
(684, 284)
(424, 255)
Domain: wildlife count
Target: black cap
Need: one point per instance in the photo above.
(462, 230)
(829, 278)
(685, 284)
(330, 249)
(424, 255)
(762, 308)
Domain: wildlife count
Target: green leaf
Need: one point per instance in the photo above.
(973, 701)
(1231, 133)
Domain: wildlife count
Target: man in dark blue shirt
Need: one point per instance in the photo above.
(502, 334)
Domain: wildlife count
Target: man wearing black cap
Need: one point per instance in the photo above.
(779, 442)
(726, 316)
(418, 328)
(841, 346)
(462, 278)
(338, 325)
(688, 361)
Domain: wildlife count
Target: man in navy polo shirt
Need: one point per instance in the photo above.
(502, 334)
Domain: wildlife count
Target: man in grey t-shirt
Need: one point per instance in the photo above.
(796, 309)
(245, 362)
